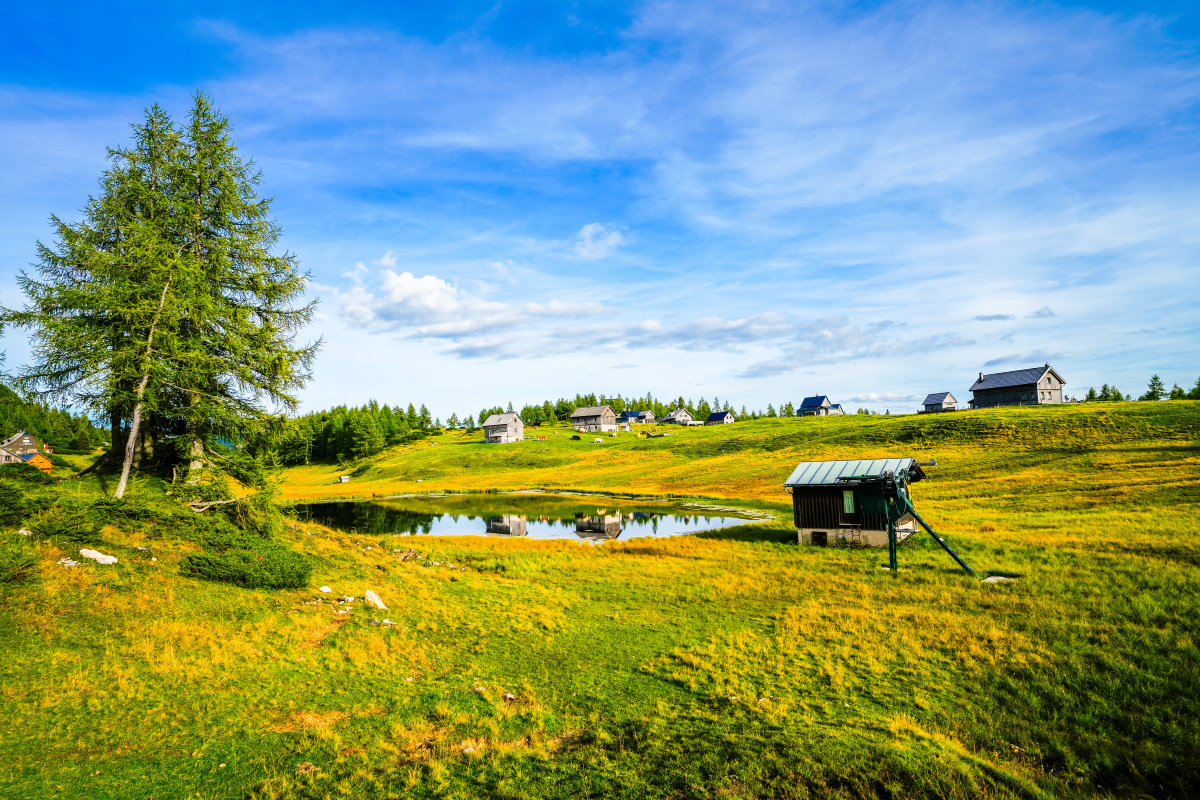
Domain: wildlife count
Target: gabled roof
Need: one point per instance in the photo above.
(589, 411)
(16, 436)
(938, 399)
(496, 420)
(677, 413)
(1016, 377)
(719, 415)
(29, 456)
(826, 473)
(820, 401)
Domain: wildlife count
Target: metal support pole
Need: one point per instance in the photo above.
(941, 541)
(891, 540)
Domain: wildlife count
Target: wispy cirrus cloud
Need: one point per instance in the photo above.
(595, 241)
(1029, 359)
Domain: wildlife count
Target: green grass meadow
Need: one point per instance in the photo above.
(730, 664)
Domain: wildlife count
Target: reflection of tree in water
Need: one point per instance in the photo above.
(368, 517)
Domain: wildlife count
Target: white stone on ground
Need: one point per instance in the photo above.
(98, 556)
(325, 589)
(372, 599)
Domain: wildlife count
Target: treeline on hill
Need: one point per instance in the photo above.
(61, 430)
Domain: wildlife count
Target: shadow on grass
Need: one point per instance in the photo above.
(752, 533)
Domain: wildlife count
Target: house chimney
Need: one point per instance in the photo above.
(980, 376)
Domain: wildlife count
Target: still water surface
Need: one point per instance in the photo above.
(536, 518)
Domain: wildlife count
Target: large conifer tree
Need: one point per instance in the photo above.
(167, 301)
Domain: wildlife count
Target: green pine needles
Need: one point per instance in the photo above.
(166, 308)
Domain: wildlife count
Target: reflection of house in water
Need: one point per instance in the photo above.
(603, 527)
(507, 525)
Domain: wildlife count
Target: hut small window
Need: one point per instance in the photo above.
(848, 501)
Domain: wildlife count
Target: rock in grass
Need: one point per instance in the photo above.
(999, 579)
(325, 589)
(98, 556)
(372, 599)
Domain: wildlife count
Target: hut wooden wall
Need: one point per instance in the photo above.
(821, 507)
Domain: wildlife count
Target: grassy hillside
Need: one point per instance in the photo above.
(731, 664)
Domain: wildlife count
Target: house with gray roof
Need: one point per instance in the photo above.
(21, 442)
(504, 428)
(680, 416)
(594, 418)
(1018, 387)
(938, 402)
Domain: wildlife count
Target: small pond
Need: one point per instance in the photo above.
(536, 516)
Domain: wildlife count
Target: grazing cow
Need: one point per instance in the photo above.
(597, 441)
(541, 438)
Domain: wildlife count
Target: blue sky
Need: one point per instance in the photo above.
(513, 201)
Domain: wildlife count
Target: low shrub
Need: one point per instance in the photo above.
(268, 566)
(12, 503)
(24, 472)
(68, 523)
(16, 565)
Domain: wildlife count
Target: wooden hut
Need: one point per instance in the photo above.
(503, 428)
(594, 418)
(38, 460)
(827, 511)
(939, 402)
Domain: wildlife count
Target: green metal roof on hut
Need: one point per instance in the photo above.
(828, 473)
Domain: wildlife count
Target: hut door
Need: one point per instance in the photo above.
(849, 515)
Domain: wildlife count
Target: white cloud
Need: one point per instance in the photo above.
(429, 307)
(388, 259)
(1043, 313)
(595, 241)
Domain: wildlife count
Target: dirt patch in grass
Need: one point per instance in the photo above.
(317, 637)
(310, 720)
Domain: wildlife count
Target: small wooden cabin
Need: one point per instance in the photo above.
(38, 460)
(504, 428)
(941, 401)
(594, 418)
(827, 511)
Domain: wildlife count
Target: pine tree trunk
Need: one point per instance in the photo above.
(136, 422)
(115, 423)
(197, 463)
